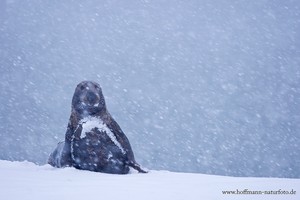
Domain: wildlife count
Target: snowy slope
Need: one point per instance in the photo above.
(25, 180)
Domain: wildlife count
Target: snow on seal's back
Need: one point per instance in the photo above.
(89, 123)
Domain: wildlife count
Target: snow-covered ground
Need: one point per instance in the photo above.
(25, 180)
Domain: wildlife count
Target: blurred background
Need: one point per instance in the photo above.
(197, 86)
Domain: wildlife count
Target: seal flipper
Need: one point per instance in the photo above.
(55, 157)
(136, 167)
(60, 157)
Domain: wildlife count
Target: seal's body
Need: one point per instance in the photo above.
(93, 141)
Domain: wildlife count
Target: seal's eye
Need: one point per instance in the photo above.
(82, 87)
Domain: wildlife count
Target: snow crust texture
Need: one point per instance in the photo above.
(27, 181)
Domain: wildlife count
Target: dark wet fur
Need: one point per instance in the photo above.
(95, 152)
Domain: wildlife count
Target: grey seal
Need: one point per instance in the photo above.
(93, 141)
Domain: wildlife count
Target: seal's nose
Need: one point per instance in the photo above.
(91, 97)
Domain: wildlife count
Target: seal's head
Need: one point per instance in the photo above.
(88, 99)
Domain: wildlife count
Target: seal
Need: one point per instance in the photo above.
(93, 140)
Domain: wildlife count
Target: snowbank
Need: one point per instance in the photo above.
(25, 180)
